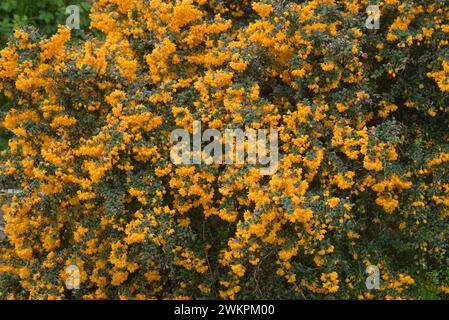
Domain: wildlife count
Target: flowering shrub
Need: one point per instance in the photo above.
(363, 173)
(43, 14)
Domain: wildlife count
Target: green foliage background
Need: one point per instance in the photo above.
(43, 14)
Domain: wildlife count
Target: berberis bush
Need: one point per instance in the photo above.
(363, 174)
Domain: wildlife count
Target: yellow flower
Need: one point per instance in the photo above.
(264, 10)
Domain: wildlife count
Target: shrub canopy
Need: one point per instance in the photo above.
(363, 174)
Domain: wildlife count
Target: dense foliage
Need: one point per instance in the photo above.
(363, 176)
